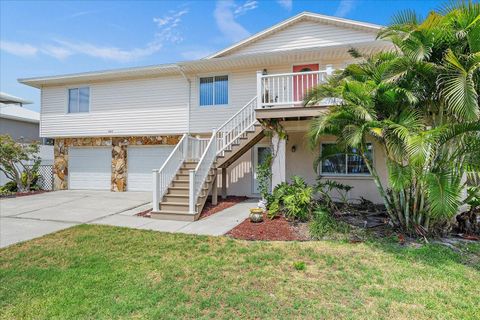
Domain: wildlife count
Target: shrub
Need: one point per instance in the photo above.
(323, 224)
(325, 189)
(294, 200)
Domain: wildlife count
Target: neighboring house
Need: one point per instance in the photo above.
(111, 128)
(23, 126)
(20, 123)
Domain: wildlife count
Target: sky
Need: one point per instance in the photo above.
(41, 38)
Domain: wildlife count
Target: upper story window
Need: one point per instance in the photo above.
(78, 100)
(340, 163)
(214, 91)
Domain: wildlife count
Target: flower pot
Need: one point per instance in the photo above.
(256, 215)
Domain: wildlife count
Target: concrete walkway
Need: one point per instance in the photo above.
(29, 217)
(214, 225)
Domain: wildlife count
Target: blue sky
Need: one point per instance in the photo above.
(46, 38)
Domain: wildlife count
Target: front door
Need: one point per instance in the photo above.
(302, 83)
(260, 153)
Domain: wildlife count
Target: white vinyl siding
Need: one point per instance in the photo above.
(151, 106)
(306, 34)
(141, 161)
(89, 168)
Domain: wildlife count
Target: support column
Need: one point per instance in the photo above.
(224, 183)
(215, 189)
(278, 161)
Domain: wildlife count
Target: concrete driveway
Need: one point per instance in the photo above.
(29, 217)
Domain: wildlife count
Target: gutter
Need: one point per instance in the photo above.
(182, 72)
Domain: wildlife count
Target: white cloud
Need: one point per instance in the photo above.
(110, 53)
(286, 4)
(167, 31)
(18, 49)
(195, 54)
(244, 8)
(59, 53)
(225, 19)
(344, 7)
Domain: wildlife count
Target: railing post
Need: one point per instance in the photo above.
(155, 191)
(185, 147)
(259, 89)
(191, 192)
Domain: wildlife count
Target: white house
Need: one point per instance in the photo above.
(112, 128)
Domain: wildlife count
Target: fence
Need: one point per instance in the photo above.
(45, 179)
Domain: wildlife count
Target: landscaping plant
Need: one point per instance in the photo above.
(294, 200)
(419, 103)
(19, 162)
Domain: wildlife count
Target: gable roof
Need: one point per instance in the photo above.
(293, 20)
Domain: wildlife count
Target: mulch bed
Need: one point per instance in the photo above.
(222, 204)
(23, 194)
(277, 229)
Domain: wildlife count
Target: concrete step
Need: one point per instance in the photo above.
(174, 215)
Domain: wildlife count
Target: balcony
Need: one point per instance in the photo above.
(281, 95)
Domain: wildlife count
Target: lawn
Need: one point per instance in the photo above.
(107, 272)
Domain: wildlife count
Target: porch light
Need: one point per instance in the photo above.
(264, 72)
(294, 148)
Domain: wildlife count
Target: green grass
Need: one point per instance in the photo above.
(106, 272)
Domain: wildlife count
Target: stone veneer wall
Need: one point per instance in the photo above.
(119, 156)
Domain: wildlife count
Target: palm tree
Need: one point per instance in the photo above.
(420, 103)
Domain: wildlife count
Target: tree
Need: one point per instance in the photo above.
(19, 162)
(420, 103)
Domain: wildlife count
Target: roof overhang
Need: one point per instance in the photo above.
(8, 98)
(259, 60)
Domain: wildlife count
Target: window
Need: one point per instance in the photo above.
(341, 163)
(214, 91)
(78, 100)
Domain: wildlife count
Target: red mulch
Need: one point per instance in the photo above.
(23, 194)
(277, 229)
(222, 204)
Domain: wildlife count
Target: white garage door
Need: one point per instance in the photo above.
(141, 161)
(89, 168)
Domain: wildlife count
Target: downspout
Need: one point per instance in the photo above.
(182, 72)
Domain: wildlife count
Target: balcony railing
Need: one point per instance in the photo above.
(287, 89)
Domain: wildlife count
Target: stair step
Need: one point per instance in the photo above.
(174, 215)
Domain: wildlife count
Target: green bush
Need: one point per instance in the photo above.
(324, 224)
(10, 186)
(294, 200)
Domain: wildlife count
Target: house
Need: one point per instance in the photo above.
(23, 125)
(185, 129)
(20, 123)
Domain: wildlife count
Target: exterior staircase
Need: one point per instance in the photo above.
(181, 186)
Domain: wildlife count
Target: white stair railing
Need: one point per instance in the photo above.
(234, 127)
(164, 176)
(188, 148)
(199, 175)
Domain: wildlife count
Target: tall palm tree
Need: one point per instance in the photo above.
(421, 104)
